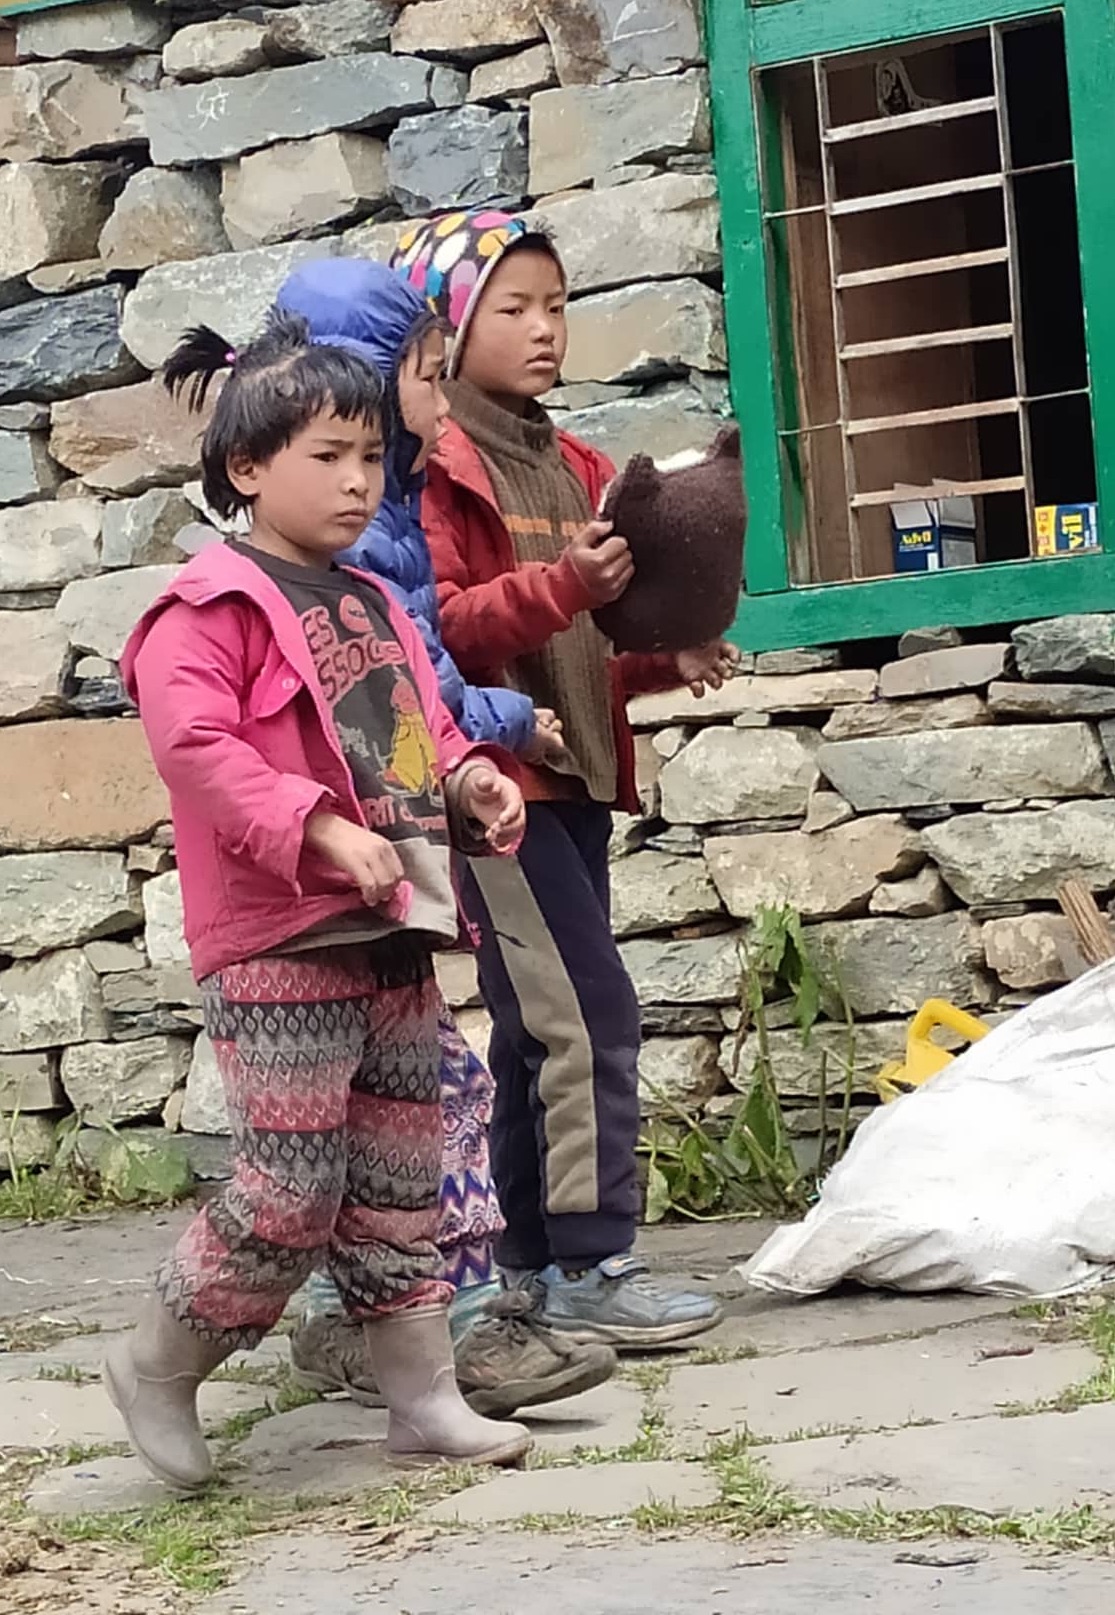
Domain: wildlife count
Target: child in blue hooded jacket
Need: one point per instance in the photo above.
(505, 1358)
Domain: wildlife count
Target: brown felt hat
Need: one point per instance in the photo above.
(686, 531)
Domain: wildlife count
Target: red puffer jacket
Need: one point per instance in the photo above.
(495, 609)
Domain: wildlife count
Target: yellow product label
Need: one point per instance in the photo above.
(916, 539)
(1045, 529)
(1072, 527)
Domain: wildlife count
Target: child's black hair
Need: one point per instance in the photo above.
(425, 325)
(276, 385)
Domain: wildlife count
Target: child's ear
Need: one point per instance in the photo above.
(243, 473)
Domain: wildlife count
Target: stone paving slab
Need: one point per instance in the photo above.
(90, 1271)
(53, 1413)
(327, 1449)
(768, 1323)
(86, 1353)
(872, 1387)
(595, 1491)
(1046, 1461)
(609, 1416)
(97, 1486)
(502, 1574)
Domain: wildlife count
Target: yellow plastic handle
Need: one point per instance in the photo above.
(939, 1012)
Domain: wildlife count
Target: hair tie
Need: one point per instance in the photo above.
(230, 356)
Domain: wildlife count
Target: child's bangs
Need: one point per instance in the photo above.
(319, 380)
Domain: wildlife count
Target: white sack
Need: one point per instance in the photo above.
(997, 1176)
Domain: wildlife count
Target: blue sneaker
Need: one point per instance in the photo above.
(618, 1304)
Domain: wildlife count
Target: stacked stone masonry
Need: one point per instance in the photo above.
(164, 166)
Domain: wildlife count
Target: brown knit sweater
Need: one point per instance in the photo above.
(544, 505)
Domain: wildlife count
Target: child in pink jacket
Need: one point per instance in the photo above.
(317, 783)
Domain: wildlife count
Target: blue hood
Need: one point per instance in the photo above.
(357, 304)
(364, 306)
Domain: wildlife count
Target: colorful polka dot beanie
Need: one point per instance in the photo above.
(449, 261)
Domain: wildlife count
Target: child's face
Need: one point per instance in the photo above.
(516, 342)
(315, 496)
(424, 406)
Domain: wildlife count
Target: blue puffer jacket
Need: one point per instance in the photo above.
(356, 303)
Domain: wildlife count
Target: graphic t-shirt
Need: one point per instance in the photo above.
(377, 713)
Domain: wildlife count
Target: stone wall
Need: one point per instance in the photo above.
(168, 167)
(164, 165)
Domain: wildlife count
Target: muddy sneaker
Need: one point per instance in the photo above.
(510, 1360)
(617, 1302)
(328, 1354)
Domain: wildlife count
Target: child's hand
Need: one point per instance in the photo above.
(707, 666)
(496, 802)
(604, 564)
(548, 741)
(370, 862)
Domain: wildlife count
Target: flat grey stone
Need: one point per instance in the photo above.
(29, 1082)
(872, 1387)
(92, 1271)
(675, 419)
(58, 347)
(327, 1449)
(740, 774)
(704, 971)
(230, 291)
(1066, 647)
(1013, 857)
(641, 333)
(891, 966)
(769, 1324)
(111, 28)
(99, 613)
(793, 692)
(966, 765)
(192, 123)
(589, 132)
(598, 1492)
(1045, 1461)
(627, 1574)
(118, 1485)
(934, 672)
(55, 1413)
(26, 468)
(655, 228)
(608, 1417)
(56, 899)
(595, 41)
(461, 157)
(1009, 699)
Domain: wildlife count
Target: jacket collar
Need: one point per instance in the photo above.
(462, 462)
(217, 572)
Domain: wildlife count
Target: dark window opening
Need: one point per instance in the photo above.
(921, 227)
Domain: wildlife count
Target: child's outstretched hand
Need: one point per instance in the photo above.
(369, 861)
(496, 802)
(548, 742)
(707, 666)
(603, 562)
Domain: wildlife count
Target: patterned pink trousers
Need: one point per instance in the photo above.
(332, 1079)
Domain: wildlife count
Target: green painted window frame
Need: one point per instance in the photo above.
(12, 8)
(744, 39)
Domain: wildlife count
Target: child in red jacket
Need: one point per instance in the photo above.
(509, 512)
(316, 780)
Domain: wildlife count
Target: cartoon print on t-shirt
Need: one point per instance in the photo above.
(412, 764)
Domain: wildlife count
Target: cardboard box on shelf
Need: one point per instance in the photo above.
(931, 534)
(1066, 529)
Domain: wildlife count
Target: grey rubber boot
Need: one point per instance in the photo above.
(152, 1377)
(411, 1355)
